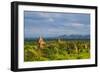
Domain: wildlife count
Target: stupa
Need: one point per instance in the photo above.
(41, 43)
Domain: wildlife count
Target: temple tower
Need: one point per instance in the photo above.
(41, 43)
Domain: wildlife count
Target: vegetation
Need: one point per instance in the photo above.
(56, 50)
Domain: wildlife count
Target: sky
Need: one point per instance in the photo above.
(50, 24)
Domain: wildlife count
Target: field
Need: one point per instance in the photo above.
(56, 50)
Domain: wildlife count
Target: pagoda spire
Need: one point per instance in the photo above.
(41, 43)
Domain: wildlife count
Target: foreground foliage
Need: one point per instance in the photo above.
(55, 50)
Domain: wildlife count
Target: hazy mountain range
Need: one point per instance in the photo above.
(65, 37)
(74, 36)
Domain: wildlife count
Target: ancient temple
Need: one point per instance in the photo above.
(41, 43)
(59, 40)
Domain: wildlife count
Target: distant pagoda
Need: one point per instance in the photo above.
(41, 43)
(59, 40)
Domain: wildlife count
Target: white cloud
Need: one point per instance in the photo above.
(77, 24)
(47, 16)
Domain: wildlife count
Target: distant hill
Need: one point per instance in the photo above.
(74, 36)
(62, 37)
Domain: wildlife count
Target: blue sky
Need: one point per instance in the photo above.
(49, 24)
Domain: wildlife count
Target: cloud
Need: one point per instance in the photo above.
(77, 25)
(53, 24)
